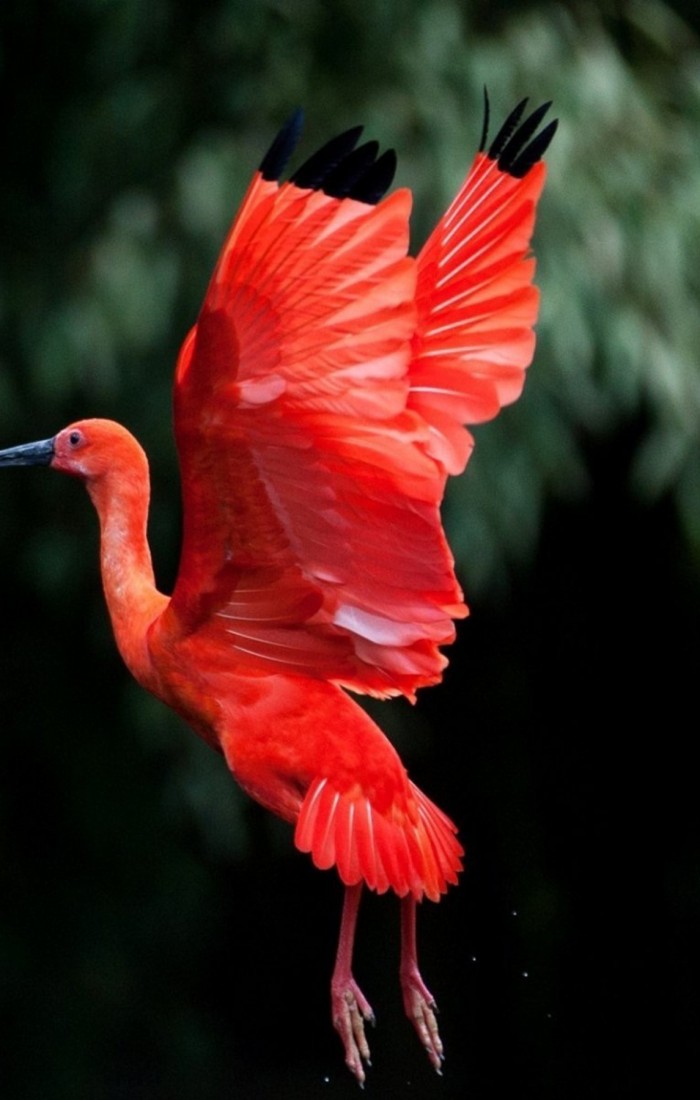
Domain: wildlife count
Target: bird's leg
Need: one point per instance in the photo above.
(418, 1001)
(349, 1006)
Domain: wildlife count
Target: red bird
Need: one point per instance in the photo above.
(319, 406)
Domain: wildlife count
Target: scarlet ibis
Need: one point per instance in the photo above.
(319, 405)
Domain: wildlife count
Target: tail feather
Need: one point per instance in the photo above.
(410, 847)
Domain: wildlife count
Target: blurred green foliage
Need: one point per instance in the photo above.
(130, 131)
(133, 139)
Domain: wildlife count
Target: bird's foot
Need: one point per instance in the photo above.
(351, 1011)
(420, 1007)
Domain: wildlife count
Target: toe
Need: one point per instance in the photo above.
(422, 1012)
(350, 1012)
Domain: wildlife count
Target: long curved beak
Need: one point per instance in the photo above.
(28, 454)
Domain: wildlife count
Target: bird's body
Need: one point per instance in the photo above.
(319, 408)
(279, 732)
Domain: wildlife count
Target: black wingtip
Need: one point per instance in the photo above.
(534, 151)
(517, 146)
(343, 171)
(485, 127)
(324, 162)
(504, 134)
(338, 168)
(376, 179)
(340, 181)
(277, 157)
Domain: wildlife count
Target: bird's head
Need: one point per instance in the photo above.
(88, 449)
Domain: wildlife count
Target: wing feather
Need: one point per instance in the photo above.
(319, 404)
(475, 298)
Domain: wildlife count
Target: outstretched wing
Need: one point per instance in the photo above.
(475, 298)
(316, 413)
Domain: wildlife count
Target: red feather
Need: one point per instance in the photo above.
(320, 404)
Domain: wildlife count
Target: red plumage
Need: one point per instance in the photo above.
(320, 403)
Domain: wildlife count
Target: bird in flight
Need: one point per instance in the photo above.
(320, 403)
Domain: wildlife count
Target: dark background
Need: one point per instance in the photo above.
(159, 935)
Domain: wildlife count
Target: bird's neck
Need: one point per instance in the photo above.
(121, 498)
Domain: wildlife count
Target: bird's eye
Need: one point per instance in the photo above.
(75, 438)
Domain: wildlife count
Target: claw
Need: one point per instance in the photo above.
(350, 1008)
(418, 1001)
(351, 1011)
(421, 1010)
